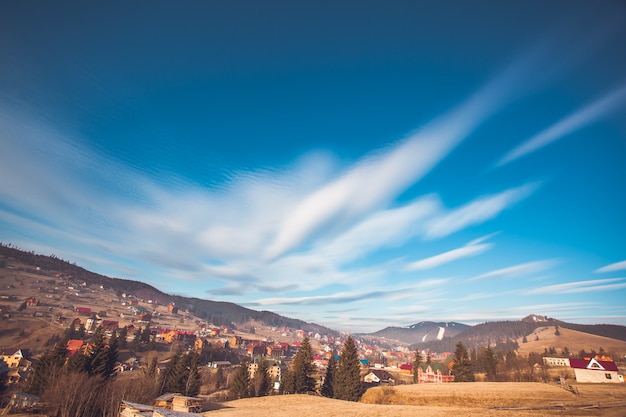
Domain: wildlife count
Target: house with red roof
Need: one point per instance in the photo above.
(592, 370)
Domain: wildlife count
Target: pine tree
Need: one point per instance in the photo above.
(101, 358)
(417, 359)
(219, 378)
(462, 368)
(47, 370)
(489, 363)
(261, 382)
(556, 330)
(192, 377)
(328, 389)
(303, 369)
(150, 371)
(170, 376)
(287, 385)
(78, 362)
(145, 335)
(347, 384)
(122, 337)
(239, 388)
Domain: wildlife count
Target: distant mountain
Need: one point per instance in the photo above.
(213, 311)
(507, 332)
(424, 331)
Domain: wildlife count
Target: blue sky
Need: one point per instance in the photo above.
(358, 165)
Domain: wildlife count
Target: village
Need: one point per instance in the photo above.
(151, 330)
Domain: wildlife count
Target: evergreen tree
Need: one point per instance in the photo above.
(524, 340)
(171, 377)
(261, 382)
(428, 359)
(328, 389)
(145, 335)
(136, 341)
(462, 368)
(347, 384)
(150, 371)
(287, 385)
(417, 359)
(47, 370)
(78, 362)
(239, 388)
(101, 357)
(556, 330)
(122, 337)
(192, 377)
(219, 378)
(303, 369)
(489, 363)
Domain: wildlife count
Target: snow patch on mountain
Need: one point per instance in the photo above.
(442, 331)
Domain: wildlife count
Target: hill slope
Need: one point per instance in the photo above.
(213, 311)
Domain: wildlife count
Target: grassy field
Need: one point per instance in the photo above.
(464, 399)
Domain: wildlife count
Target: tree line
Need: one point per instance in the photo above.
(342, 379)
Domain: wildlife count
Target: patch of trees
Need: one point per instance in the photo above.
(85, 384)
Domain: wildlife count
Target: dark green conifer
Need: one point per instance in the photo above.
(417, 360)
(462, 368)
(261, 382)
(328, 389)
(240, 387)
(303, 369)
(347, 384)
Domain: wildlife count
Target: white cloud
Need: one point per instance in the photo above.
(617, 266)
(471, 249)
(581, 286)
(575, 121)
(517, 270)
(477, 211)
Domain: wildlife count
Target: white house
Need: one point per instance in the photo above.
(591, 370)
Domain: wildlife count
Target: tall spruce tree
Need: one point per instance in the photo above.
(347, 384)
(462, 368)
(261, 382)
(191, 375)
(303, 369)
(287, 383)
(490, 364)
(240, 387)
(417, 360)
(328, 389)
(47, 370)
(170, 377)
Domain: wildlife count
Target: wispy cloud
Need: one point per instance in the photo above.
(472, 248)
(571, 123)
(477, 211)
(617, 266)
(581, 286)
(527, 268)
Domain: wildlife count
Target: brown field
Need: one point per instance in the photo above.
(574, 340)
(462, 399)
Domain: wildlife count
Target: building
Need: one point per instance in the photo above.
(592, 370)
(556, 361)
(378, 376)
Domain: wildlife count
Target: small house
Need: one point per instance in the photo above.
(378, 376)
(592, 370)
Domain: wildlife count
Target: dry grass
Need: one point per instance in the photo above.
(468, 399)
